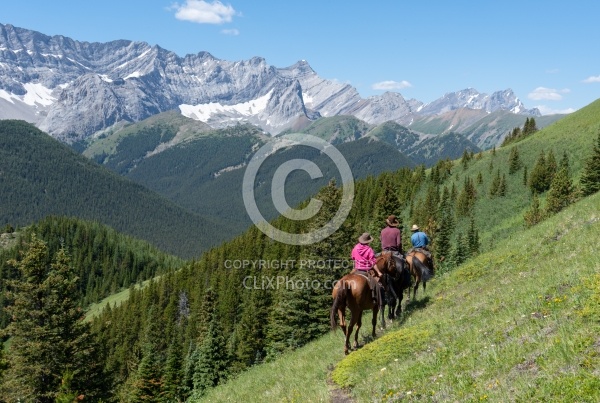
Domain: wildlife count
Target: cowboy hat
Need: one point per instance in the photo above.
(414, 227)
(392, 221)
(365, 238)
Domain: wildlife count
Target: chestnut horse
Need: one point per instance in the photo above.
(353, 291)
(420, 268)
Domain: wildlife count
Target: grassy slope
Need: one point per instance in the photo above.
(517, 323)
(527, 288)
(500, 217)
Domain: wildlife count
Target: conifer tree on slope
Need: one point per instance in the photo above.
(213, 362)
(560, 194)
(514, 161)
(50, 341)
(442, 240)
(590, 178)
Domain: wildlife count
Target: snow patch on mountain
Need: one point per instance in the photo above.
(204, 112)
(36, 94)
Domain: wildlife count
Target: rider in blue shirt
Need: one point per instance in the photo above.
(418, 239)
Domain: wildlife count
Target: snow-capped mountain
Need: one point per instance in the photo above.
(74, 89)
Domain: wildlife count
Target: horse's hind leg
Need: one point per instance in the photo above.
(353, 320)
(358, 325)
(374, 321)
(342, 316)
(415, 289)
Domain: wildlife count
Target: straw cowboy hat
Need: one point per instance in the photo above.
(365, 238)
(414, 227)
(392, 221)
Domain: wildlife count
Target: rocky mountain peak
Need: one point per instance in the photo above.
(73, 89)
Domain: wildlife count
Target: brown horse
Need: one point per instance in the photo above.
(353, 291)
(420, 268)
(394, 291)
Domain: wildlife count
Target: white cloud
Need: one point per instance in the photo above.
(544, 110)
(548, 94)
(204, 12)
(391, 85)
(592, 79)
(232, 32)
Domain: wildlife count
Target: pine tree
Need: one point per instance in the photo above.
(560, 194)
(466, 157)
(442, 244)
(551, 167)
(534, 215)
(460, 252)
(434, 176)
(479, 178)
(514, 162)
(525, 176)
(50, 341)
(502, 188)
(530, 126)
(564, 162)
(172, 382)
(590, 178)
(147, 384)
(453, 192)
(211, 366)
(252, 329)
(466, 198)
(496, 184)
(540, 178)
(473, 238)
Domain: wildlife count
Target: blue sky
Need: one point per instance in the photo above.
(546, 51)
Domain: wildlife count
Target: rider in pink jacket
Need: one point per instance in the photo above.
(363, 255)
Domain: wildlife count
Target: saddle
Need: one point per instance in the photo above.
(374, 285)
(427, 253)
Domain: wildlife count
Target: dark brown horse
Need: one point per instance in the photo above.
(353, 291)
(395, 284)
(420, 268)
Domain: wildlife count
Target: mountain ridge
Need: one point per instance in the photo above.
(53, 81)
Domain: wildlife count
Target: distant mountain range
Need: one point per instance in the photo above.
(74, 90)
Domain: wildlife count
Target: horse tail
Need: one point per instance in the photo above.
(340, 300)
(423, 268)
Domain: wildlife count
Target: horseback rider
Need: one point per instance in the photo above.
(420, 240)
(391, 237)
(391, 240)
(364, 256)
(365, 264)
